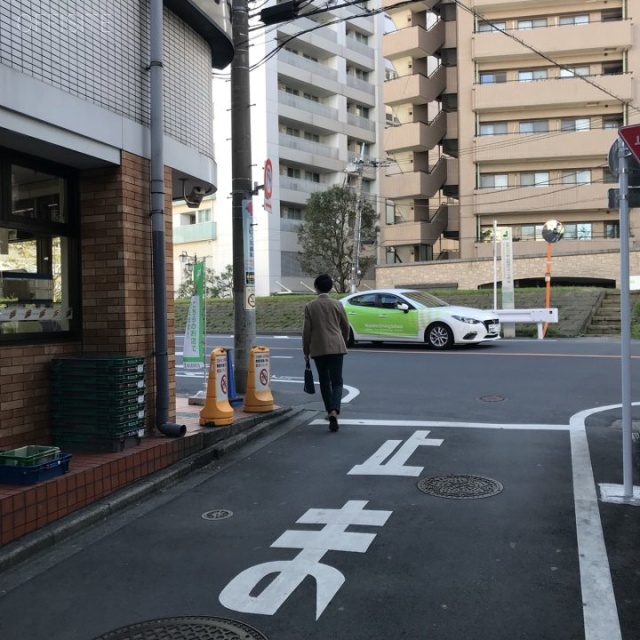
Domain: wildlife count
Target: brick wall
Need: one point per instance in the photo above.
(117, 300)
(469, 274)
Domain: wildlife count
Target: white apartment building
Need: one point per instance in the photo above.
(316, 97)
(505, 110)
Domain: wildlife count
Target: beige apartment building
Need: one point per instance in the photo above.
(505, 110)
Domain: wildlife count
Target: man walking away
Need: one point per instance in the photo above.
(324, 338)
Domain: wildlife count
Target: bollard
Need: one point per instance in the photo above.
(217, 412)
(258, 396)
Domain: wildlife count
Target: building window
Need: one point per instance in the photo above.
(577, 231)
(575, 124)
(493, 128)
(494, 181)
(531, 232)
(312, 176)
(576, 176)
(492, 77)
(582, 18)
(611, 15)
(534, 179)
(533, 126)
(291, 213)
(571, 72)
(532, 23)
(293, 173)
(203, 215)
(608, 177)
(612, 122)
(528, 75)
(39, 281)
(484, 26)
(612, 68)
(612, 230)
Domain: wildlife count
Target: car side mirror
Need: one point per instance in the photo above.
(403, 306)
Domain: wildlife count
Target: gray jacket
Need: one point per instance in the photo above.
(326, 328)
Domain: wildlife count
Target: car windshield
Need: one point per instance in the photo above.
(425, 299)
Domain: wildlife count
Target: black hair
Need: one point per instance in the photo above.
(323, 283)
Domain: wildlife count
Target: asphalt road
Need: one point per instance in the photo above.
(339, 536)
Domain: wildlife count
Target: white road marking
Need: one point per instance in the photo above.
(351, 394)
(454, 425)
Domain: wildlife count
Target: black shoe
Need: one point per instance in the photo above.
(333, 422)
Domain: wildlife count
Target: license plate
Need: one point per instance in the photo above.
(493, 328)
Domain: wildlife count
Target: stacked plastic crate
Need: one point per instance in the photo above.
(98, 402)
(31, 464)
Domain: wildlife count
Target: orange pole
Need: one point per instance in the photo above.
(547, 279)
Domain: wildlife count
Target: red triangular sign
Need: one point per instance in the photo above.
(631, 135)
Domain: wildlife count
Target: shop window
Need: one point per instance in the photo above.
(39, 291)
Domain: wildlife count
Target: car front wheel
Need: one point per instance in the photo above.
(439, 336)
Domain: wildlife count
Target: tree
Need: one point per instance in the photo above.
(326, 236)
(215, 285)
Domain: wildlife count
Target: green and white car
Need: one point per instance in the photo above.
(406, 315)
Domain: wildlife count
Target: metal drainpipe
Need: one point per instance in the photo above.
(157, 229)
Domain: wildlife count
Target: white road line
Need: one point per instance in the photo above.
(456, 425)
(352, 392)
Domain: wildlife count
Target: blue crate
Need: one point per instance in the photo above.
(37, 473)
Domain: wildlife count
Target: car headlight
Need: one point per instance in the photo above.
(467, 320)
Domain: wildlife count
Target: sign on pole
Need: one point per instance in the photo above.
(249, 267)
(193, 350)
(268, 184)
(631, 135)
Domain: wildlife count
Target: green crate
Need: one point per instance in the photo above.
(107, 402)
(102, 365)
(97, 443)
(29, 456)
(71, 426)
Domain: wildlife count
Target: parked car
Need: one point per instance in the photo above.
(406, 315)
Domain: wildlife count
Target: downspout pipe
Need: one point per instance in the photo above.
(156, 127)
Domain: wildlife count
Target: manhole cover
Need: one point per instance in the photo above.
(492, 398)
(217, 514)
(460, 487)
(185, 628)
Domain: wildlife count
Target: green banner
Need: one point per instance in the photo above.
(193, 350)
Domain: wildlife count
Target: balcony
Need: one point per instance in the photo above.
(540, 147)
(298, 63)
(416, 88)
(554, 199)
(415, 136)
(414, 42)
(415, 184)
(418, 232)
(194, 232)
(575, 40)
(554, 92)
(391, 6)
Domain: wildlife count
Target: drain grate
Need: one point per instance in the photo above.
(460, 487)
(186, 628)
(217, 514)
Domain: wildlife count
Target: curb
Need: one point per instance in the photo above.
(215, 448)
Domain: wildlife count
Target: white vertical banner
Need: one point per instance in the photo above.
(506, 251)
(193, 351)
(249, 266)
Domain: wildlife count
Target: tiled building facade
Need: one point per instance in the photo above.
(75, 206)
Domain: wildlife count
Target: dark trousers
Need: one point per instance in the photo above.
(330, 378)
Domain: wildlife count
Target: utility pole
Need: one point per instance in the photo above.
(357, 167)
(244, 314)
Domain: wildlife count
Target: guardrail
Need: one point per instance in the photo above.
(537, 316)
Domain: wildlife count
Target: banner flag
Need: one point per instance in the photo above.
(193, 350)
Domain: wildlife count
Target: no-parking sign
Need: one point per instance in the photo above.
(262, 370)
(268, 184)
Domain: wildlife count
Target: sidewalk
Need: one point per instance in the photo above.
(27, 510)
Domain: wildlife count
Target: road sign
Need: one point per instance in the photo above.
(631, 135)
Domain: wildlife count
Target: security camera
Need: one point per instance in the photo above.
(194, 199)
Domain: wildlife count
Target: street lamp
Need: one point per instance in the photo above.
(188, 261)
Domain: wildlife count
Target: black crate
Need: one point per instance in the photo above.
(105, 427)
(82, 441)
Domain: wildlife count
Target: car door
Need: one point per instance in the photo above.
(394, 322)
(362, 312)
